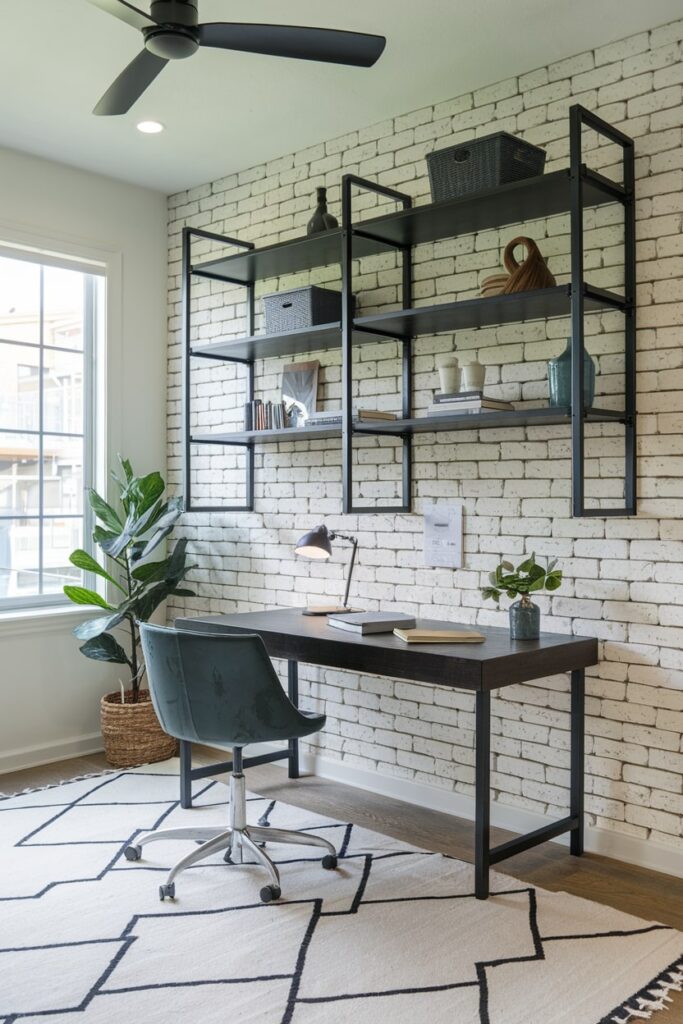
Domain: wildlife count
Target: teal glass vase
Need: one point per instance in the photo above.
(560, 379)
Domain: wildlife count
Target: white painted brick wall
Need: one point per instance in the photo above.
(623, 578)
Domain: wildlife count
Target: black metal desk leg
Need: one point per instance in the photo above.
(482, 795)
(293, 689)
(185, 773)
(578, 703)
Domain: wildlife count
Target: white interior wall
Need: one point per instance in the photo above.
(50, 692)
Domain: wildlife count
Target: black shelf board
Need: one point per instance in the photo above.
(291, 257)
(263, 346)
(531, 199)
(543, 196)
(540, 304)
(478, 420)
(247, 437)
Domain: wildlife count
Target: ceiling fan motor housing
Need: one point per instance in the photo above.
(174, 36)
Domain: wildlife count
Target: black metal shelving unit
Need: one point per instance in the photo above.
(566, 191)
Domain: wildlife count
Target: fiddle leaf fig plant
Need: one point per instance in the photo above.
(528, 578)
(127, 533)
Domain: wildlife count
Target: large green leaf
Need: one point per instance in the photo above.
(135, 525)
(173, 567)
(104, 538)
(163, 526)
(142, 493)
(81, 595)
(105, 648)
(82, 560)
(94, 627)
(104, 511)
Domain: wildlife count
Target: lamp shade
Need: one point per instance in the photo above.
(314, 544)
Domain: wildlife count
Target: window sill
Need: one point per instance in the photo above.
(55, 619)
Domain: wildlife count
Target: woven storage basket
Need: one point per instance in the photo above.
(301, 307)
(482, 163)
(131, 732)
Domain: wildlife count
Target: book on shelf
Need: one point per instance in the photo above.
(474, 405)
(375, 414)
(456, 396)
(260, 415)
(324, 419)
(439, 636)
(371, 622)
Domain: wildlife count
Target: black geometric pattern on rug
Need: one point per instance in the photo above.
(124, 942)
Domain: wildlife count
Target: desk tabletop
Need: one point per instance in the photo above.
(498, 661)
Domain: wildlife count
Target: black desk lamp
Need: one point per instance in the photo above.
(317, 543)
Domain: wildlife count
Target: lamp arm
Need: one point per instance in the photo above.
(351, 563)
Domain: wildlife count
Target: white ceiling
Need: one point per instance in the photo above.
(227, 111)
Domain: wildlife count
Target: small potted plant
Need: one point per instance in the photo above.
(127, 535)
(528, 578)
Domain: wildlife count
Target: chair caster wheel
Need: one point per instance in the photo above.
(167, 890)
(132, 852)
(227, 857)
(269, 893)
(329, 862)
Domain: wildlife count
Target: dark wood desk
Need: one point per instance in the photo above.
(497, 662)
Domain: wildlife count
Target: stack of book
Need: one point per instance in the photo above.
(333, 417)
(260, 415)
(466, 401)
(324, 418)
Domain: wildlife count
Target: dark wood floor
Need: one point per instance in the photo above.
(647, 894)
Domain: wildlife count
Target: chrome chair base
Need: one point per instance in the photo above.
(237, 840)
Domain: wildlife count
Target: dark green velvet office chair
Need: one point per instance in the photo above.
(222, 688)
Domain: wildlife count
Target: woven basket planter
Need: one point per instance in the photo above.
(131, 732)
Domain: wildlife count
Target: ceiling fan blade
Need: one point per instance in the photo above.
(124, 11)
(131, 83)
(325, 44)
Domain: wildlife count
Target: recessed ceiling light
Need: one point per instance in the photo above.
(150, 127)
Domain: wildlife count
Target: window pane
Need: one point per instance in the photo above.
(63, 392)
(63, 300)
(62, 475)
(60, 538)
(20, 391)
(19, 475)
(19, 300)
(19, 558)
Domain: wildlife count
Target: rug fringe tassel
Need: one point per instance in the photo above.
(655, 998)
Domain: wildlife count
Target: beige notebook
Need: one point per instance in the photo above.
(439, 636)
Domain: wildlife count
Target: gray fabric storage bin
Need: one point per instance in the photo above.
(301, 307)
(482, 163)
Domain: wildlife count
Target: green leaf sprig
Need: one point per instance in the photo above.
(528, 578)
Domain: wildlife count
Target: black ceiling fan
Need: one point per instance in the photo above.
(172, 31)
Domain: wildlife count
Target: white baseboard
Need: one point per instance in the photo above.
(644, 853)
(32, 757)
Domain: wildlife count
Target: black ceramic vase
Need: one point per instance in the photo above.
(321, 219)
(525, 620)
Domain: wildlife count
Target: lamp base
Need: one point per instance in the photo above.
(327, 609)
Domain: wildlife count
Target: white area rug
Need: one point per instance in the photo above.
(394, 935)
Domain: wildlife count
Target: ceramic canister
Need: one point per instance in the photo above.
(449, 374)
(473, 376)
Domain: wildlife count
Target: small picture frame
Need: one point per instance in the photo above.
(300, 390)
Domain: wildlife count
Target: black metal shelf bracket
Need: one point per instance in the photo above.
(188, 273)
(349, 182)
(579, 118)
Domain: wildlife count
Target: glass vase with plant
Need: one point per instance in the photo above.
(127, 533)
(528, 578)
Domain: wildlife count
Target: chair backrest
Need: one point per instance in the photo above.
(215, 687)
